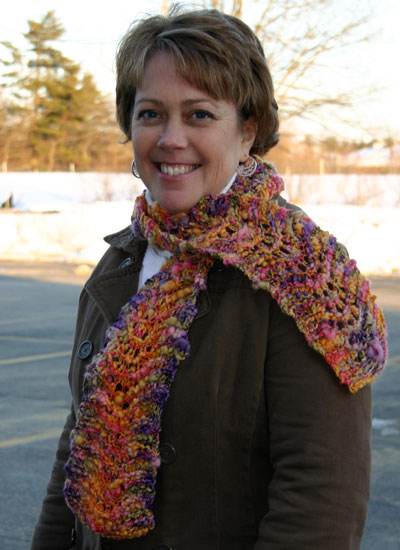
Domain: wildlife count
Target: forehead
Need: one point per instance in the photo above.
(163, 66)
(161, 78)
(160, 68)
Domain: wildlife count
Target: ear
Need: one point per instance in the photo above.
(249, 132)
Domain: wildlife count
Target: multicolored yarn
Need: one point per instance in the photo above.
(112, 469)
(111, 473)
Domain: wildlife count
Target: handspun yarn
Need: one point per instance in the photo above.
(111, 472)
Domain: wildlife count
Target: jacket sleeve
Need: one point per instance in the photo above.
(56, 521)
(320, 436)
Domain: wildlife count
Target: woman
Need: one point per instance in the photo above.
(229, 405)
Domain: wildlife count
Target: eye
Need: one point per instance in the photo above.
(201, 114)
(147, 114)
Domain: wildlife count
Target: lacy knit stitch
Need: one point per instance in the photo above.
(112, 469)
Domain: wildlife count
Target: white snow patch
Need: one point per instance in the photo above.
(61, 218)
(385, 426)
(371, 235)
(74, 235)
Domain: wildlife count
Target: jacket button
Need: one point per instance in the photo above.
(167, 455)
(125, 262)
(85, 349)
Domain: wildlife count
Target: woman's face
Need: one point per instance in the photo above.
(186, 143)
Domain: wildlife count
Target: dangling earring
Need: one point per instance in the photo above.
(134, 170)
(247, 168)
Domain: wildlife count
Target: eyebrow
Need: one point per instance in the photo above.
(186, 102)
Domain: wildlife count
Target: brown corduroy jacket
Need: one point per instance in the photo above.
(262, 448)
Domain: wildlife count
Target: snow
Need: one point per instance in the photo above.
(49, 191)
(72, 235)
(59, 217)
(371, 235)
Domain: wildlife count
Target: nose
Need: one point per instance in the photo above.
(173, 135)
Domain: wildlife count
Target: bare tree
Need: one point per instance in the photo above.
(305, 42)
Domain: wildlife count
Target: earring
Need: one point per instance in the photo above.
(247, 168)
(134, 170)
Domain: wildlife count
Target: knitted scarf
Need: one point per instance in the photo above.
(111, 472)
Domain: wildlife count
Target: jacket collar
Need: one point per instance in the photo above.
(125, 241)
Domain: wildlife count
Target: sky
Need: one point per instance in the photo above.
(93, 30)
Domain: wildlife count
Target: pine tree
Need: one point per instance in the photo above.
(71, 120)
(53, 115)
(11, 106)
(52, 81)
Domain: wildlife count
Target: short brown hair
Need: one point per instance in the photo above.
(215, 52)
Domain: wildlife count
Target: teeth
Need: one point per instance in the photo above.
(177, 169)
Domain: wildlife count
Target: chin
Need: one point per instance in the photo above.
(175, 206)
(177, 209)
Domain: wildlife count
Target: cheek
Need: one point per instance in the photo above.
(140, 142)
(218, 146)
(134, 140)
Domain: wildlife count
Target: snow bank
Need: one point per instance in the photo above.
(376, 190)
(371, 235)
(74, 233)
(49, 191)
(39, 191)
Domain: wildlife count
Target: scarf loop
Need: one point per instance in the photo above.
(112, 469)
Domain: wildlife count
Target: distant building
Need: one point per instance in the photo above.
(376, 156)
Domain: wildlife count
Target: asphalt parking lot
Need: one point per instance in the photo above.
(38, 304)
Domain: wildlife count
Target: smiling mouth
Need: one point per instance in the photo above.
(177, 169)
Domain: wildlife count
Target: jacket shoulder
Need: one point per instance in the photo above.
(283, 203)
